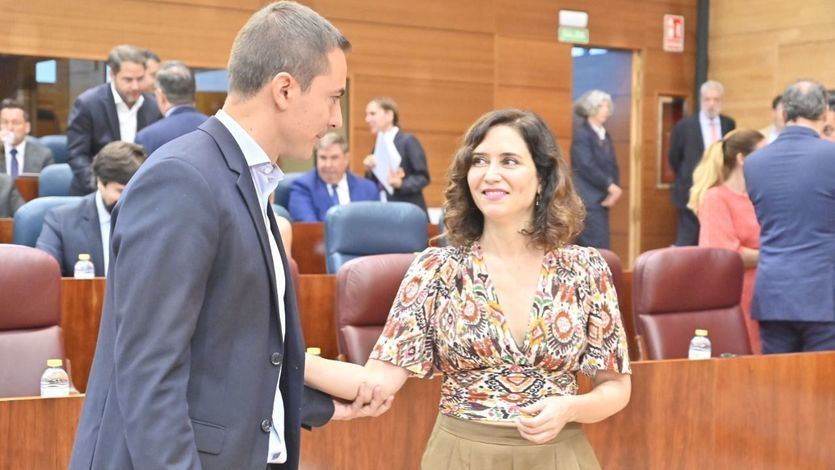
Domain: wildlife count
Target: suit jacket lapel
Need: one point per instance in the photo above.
(93, 225)
(237, 164)
(321, 197)
(112, 115)
(701, 138)
(291, 326)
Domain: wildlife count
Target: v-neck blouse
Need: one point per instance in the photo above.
(446, 318)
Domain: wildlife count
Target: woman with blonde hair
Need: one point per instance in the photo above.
(509, 313)
(725, 212)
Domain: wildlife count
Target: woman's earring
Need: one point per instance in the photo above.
(536, 200)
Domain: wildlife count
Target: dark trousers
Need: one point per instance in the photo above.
(688, 228)
(797, 336)
(596, 229)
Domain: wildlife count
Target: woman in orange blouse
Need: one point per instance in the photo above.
(726, 214)
(509, 313)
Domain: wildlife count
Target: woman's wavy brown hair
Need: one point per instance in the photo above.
(558, 216)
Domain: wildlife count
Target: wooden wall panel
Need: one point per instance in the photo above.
(776, 43)
(552, 105)
(460, 15)
(532, 63)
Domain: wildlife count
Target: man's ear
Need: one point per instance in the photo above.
(283, 88)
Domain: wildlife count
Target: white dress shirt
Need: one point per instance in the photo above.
(342, 191)
(706, 123)
(599, 130)
(21, 149)
(265, 177)
(127, 116)
(104, 226)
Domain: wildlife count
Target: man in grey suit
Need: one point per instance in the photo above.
(791, 182)
(21, 153)
(10, 199)
(200, 356)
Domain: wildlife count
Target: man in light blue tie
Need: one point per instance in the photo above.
(329, 184)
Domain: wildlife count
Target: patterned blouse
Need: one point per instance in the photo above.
(446, 317)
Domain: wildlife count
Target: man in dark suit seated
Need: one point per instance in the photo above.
(10, 199)
(329, 184)
(108, 112)
(689, 139)
(175, 98)
(792, 185)
(21, 153)
(84, 227)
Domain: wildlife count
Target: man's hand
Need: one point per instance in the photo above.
(396, 178)
(368, 404)
(370, 162)
(614, 194)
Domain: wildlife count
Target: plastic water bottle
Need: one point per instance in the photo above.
(699, 346)
(55, 382)
(84, 268)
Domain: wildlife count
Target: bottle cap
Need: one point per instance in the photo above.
(54, 363)
(314, 351)
(701, 332)
(84, 257)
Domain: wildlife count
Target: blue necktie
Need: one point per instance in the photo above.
(15, 169)
(334, 196)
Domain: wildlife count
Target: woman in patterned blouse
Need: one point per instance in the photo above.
(509, 313)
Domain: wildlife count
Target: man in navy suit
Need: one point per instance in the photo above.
(792, 185)
(200, 356)
(73, 229)
(108, 112)
(329, 184)
(689, 139)
(175, 98)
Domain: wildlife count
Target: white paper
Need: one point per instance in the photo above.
(386, 160)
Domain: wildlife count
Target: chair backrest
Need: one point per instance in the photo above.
(58, 144)
(372, 228)
(30, 315)
(616, 267)
(54, 180)
(365, 290)
(677, 290)
(28, 220)
(282, 192)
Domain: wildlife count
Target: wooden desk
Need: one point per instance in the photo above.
(6, 229)
(27, 185)
(746, 412)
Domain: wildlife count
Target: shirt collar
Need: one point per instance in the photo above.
(703, 117)
(104, 216)
(21, 147)
(266, 174)
(389, 134)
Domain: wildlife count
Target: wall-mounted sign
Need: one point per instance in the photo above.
(673, 33)
(574, 27)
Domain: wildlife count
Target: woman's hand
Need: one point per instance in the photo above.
(396, 178)
(548, 417)
(368, 404)
(369, 162)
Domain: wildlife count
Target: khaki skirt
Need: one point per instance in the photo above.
(457, 444)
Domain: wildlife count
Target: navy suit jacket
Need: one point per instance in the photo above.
(190, 343)
(70, 230)
(791, 182)
(686, 149)
(181, 121)
(414, 166)
(594, 166)
(310, 200)
(94, 123)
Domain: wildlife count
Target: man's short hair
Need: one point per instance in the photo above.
(150, 55)
(831, 94)
(124, 53)
(805, 99)
(711, 85)
(117, 161)
(176, 81)
(282, 37)
(10, 103)
(776, 101)
(332, 138)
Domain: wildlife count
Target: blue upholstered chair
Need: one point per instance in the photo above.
(371, 228)
(54, 180)
(28, 220)
(58, 144)
(282, 192)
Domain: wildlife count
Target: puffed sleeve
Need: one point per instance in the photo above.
(606, 347)
(406, 340)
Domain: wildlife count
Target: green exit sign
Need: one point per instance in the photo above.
(573, 35)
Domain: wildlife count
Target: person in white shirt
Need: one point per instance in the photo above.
(109, 112)
(778, 120)
(84, 227)
(21, 152)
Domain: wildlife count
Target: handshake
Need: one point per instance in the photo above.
(369, 403)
